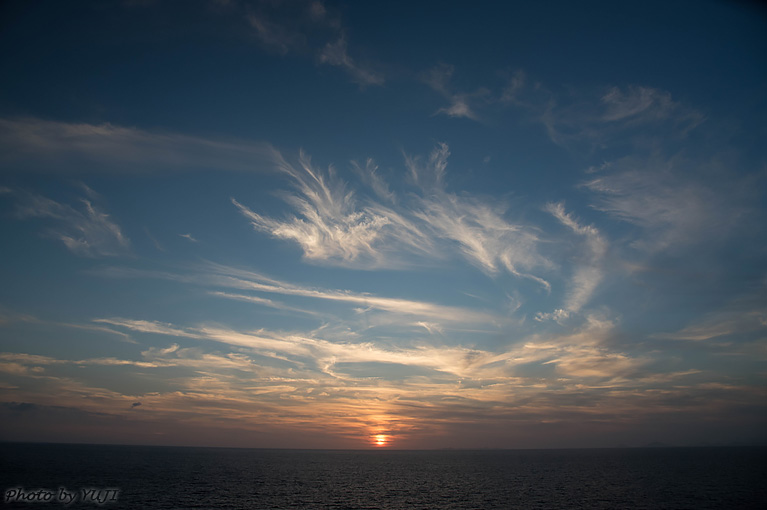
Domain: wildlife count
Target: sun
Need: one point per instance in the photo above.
(381, 439)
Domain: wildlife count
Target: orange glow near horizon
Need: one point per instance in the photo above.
(381, 440)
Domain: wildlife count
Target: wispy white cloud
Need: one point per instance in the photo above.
(483, 236)
(101, 329)
(218, 275)
(558, 315)
(318, 12)
(336, 54)
(478, 227)
(431, 327)
(595, 120)
(88, 232)
(588, 272)
(438, 78)
(326, 355)
(307, 27)
(265, 302)
(335, 227)
(668, 200)
(243, 279)
(581, 354)
(274, 35)
(322, 353)
(599, 363)
(286, 28)
(674, 196)
(9, 316)
(155, 242)
(45, 146)
(637, 104)
(575, 119)
(370, 176)
(429, 175)
(148, 327)
(189, 237)
(742, 317)
(458, 108)
(37, 361)
(514, 88)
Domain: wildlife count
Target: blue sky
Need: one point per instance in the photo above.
(364, 224)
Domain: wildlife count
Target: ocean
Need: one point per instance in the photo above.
(148, 477)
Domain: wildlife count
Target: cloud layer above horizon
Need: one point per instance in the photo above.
(330, 244)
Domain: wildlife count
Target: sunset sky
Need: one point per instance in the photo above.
(383, 224)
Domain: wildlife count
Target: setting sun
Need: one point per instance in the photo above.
(381, 440)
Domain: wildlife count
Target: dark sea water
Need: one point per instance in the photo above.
(221, 478)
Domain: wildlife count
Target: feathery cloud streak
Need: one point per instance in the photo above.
(37, 145)
(308, 27)
(89, 232)
(582, 354)
(224, 276)
(438, 78)
(591, 382)
(336, 54)
(333, 226)
(669, 200)
(588, 272)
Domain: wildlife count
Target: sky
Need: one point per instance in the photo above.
(328, 224)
